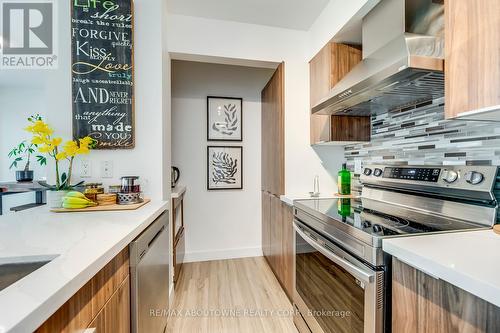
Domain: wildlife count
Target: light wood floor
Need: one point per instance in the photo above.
(230, 296)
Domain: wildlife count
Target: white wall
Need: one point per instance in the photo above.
(200, 36)
(16, 106)
(333, 18)
(150, 159)
(219, 224)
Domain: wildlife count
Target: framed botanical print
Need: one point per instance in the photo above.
(224, 118)
(225, 167)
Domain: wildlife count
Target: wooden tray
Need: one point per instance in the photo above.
(102, 208)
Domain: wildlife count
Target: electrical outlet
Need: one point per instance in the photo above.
(107, 169)
(85, 168)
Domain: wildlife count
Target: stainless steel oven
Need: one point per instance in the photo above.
(335, 292)
(343, 276)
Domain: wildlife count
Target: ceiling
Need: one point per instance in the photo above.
(291, 14)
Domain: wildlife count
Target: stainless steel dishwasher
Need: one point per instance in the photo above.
(149, 271)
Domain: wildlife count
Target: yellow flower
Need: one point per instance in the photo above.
(41, 128)
(61, 156)
(56, 142)
(45, 148)
(85, 144)
(86, 141)
(71, 148)
(38, 140)
(83, 150)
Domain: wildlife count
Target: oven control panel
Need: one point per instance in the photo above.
(416, 174)
(477, 178)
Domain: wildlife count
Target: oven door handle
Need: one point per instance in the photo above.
(359, 273)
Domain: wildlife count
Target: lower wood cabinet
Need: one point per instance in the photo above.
(115, 316)
(423, 304)
(102, 304)
(277, 239)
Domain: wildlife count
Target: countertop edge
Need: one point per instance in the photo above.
(287, 200)
(43, 312)
(178, 191)
(435, 269)
(290, 198)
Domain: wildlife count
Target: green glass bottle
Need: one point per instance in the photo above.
(344, 207)
(344, 180)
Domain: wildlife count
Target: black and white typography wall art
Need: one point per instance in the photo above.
(103, 72)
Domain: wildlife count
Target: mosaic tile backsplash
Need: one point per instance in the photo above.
(420, 135)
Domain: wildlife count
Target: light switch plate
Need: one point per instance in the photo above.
(107, 169)
(85, 168)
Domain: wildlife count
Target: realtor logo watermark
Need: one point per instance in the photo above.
(28, 37)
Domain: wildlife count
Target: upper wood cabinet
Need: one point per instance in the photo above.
(273, 134)
(327, 68)
(472, 55)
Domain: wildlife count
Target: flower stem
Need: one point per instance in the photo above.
(58, 181)
(70, 171)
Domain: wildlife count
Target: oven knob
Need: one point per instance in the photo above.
(450, 176)
(377, 172)
(367, 172)
(367, 224)
(474, 177)
(377, 228)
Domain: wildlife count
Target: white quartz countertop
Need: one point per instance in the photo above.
(290, 198)
(82, 244)
(178, 191)
(468, 260)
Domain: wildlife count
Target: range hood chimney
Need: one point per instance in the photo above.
(403, 61)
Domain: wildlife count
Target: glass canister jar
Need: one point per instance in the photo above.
(92, 190)
(130, 184)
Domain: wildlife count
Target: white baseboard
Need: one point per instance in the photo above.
(223, 254)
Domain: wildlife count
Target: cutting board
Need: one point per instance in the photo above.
(102, 208)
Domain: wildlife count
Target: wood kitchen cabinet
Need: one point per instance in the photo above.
(423, 304)
(472, 55)
(273, 140)
(115, 316)
(326, 69)
(277, 240)
(277, 227)
(266, 225)
(102, 303)
(287, 251)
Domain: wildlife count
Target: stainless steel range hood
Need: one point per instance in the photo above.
(403, 50)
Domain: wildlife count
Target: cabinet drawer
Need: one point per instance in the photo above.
(78, 312)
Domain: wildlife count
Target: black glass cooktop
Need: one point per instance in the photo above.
(379, 223)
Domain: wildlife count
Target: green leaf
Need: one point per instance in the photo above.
(76, 185)
(42, 160)
(64, 178)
